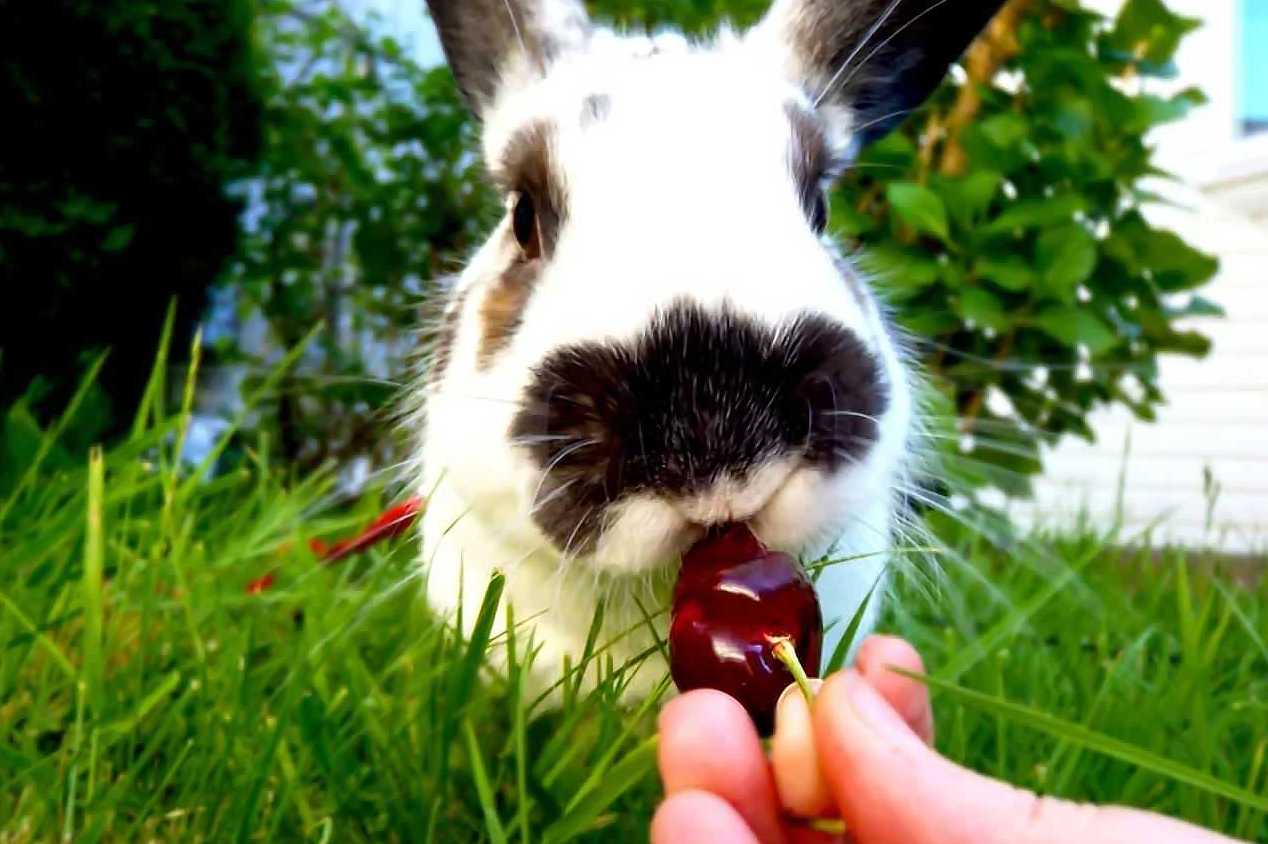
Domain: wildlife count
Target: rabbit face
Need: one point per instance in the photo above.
(658, 337)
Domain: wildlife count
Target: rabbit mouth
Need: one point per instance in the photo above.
(701, 419)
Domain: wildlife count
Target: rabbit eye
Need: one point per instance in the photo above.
(524, 221)
(819, 212)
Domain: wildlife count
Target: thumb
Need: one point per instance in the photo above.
(893, 789)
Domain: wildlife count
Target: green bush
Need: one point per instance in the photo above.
(368, 192)
(1002, 220)
(1004, 223)
(123, 122)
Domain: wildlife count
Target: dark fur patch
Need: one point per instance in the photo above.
(479, 35)
(527, 166)
(502, 309)
(808, 155)
(524, 167)
(698, 396)
(900, 64)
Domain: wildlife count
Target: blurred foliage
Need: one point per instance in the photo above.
(1004, 222)
(368, 190)
(123, 121)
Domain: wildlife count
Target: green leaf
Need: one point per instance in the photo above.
(1004, 130)
(1065, 257)
(1149, 31)
(929, 322)
(969, 197)
(900, 269)
(919, 207)
(118, 238)
(982, 308)
(1184, 342)
(1150, 110)
(1034, 213)
(1175, 265)
(847, 221)
(1008, 271)
(1075, 326)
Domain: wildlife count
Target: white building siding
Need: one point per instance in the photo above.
(1155, 476)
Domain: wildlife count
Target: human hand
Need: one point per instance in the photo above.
(862, 755)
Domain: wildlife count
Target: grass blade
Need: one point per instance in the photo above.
(1247, 625)
(1006, 627)
(624, 775)
(94, 563)
(1077, 734)
(851, 631)
(40, 637)
(265, 761)
(587, 653)
(52, 436)
(519, 740)
(492, 823)
(464, 679)
(156, 385)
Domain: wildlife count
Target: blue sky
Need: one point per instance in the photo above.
(406, 21)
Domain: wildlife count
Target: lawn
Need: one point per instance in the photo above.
(146, 694)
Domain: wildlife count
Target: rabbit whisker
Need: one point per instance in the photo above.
(886, 42)
(871, 33)
(851, 413)
(563, 455)
(555, 493)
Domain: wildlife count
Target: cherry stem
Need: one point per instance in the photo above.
(787, 654)
(828, 826)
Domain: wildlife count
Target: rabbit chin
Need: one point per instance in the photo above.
(793, 508)
(844, 515)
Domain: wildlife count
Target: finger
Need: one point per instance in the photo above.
(802, 790)
(794, 763)
(708, 743)
(910, 699)
(699, 817)
(893, 789)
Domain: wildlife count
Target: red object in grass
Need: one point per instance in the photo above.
(261, 584)
(391, 524)
(734, 600)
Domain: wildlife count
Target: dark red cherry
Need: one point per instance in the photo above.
(733, 601)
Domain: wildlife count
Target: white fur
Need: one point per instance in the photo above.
(682, 189)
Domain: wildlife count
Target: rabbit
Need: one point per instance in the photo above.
(658, 337)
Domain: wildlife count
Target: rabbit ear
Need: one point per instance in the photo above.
(877, 58)
(492, 43)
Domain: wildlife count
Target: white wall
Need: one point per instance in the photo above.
(1216, 419)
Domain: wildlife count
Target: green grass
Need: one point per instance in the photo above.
(145, 695)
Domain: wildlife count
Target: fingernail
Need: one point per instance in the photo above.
(793, 690)
(794, 761)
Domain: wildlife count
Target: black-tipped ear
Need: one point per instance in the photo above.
(493, 43)
(878, 58)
